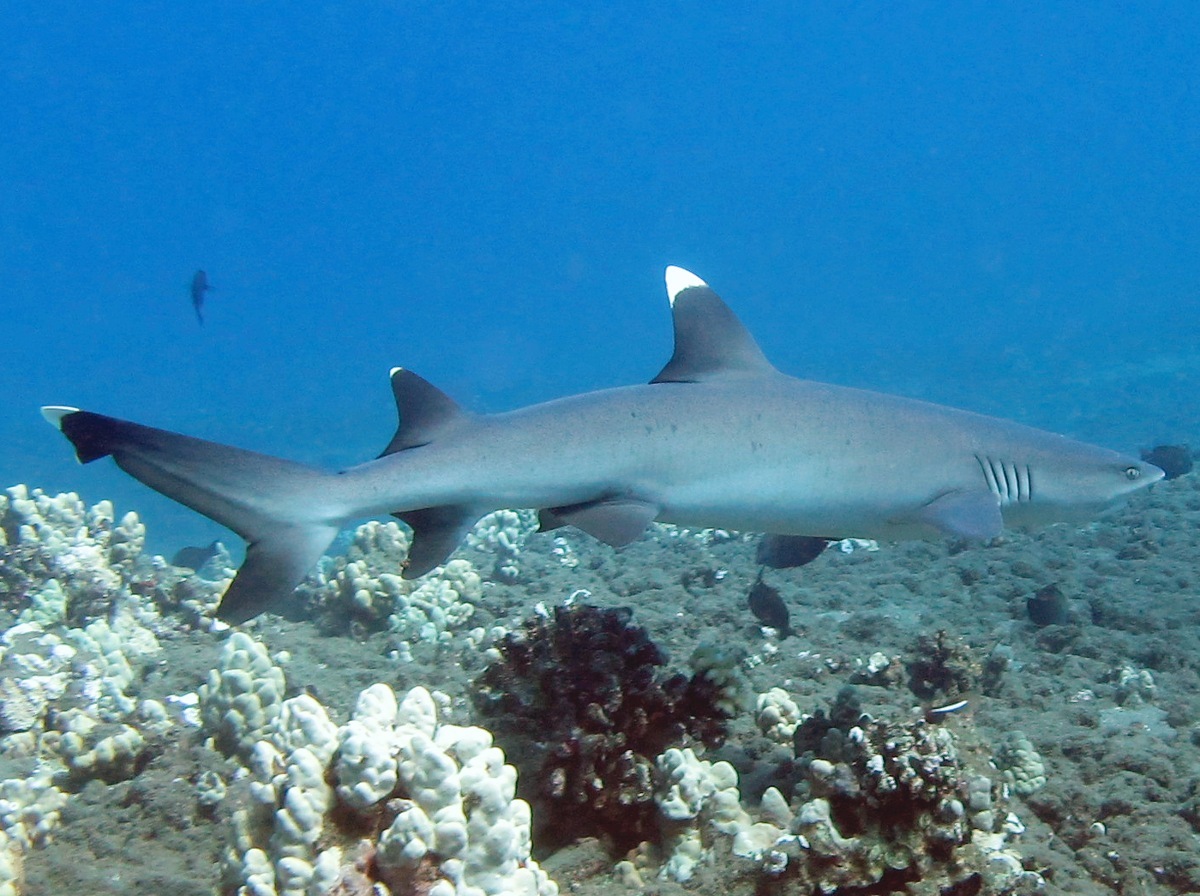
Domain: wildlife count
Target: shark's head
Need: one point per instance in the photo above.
(1102, 483)
(1074, 481)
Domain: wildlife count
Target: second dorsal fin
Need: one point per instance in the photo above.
(424, 409)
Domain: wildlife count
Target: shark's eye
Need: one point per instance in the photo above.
(1132, 473)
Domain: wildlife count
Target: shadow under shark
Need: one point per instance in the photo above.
(719, 438)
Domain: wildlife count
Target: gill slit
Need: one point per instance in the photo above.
(1012, 483)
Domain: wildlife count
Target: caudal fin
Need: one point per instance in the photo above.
(281, 509)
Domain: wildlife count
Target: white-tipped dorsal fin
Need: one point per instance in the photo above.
(55, 412)
(710, 342)
(678, 280)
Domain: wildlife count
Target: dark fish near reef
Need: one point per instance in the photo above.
(768, 607)
(195, 558)
(200, 286)
(719, 439)
(1173, 460)
(1048, 606)
(789, 551)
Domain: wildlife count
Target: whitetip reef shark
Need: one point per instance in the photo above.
(719, 438)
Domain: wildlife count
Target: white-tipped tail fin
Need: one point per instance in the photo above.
(54, 414)
(275, 505)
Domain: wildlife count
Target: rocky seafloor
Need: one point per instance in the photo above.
(1087, 726)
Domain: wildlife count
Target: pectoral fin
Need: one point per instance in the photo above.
(615, 522)
(964, 514)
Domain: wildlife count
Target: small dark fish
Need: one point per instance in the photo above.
(788, 551)
(195, 558)
(768, 607)
(1173, 460)
(1048, 606)
(200, 286)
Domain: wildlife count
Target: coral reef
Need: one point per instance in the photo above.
(1134, 686)
(65, 562)
(885, 804)
(87, 622)
(697, 799)
(1020, 764)
(943, 668)
(89, 608)
(370, 801)
(90, 557)
(777, 715)
(393, 801)
(580, 703)
(721, 668)
(502, 536)
(362, 591)
(879, 669)
(876, 806)
(242, 697)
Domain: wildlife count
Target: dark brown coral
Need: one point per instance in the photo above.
(581, 705)
(943, 668)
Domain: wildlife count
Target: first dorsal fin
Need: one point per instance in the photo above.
(425, 411)
(710, 342)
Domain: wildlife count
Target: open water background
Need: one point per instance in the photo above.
(988, 206)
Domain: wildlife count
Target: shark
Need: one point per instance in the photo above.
(719, 438)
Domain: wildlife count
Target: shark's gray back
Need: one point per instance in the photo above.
(762, 452)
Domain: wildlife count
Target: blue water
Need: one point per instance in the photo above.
(989, 207)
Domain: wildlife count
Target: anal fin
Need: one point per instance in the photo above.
(437, 531)
(615, 522)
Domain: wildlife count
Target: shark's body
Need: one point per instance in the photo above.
(720, 438)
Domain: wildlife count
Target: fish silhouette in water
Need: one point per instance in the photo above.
(194, 558)
(789, 551)
(768, 607)
(200, 286)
